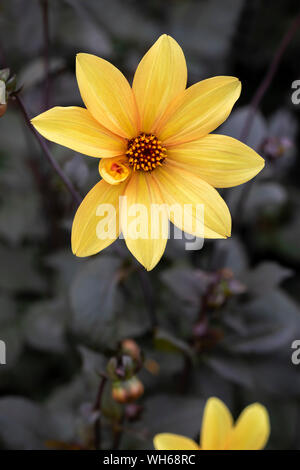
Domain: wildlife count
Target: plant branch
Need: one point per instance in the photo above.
(117, 433)
(97, 406)
(45, 15)
(258, 96)
(148, 295)
(77, 198)
(268, 78)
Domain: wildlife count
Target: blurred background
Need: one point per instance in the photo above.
(215, 322)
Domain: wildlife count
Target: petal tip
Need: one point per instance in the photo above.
(156, 441)
(163, 37)
(147, 265)
(80, 55)
(214, 401)
(74, 248)
(262, 163)
(80, 254)
(36, 121)
(237, 83)
(252, 428)
(36, 118)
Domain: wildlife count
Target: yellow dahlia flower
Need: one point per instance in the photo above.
(250, 432)
(155, 147)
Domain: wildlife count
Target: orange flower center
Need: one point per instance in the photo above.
(145, 152)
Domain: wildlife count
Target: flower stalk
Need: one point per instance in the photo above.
(258, 96)
(97, 405)
(77, 198)
(45, 15)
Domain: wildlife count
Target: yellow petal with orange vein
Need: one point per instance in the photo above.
(107, 95)
(218, 159)
(144, 220)
(159, 78)
(96, 222)
(199, 110)
(252, 429)
(216, 425)
(168, 441)
(76, 129)
(191, 194)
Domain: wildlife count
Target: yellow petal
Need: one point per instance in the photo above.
(107, 94)
(186, 189)
(216, 425)
(220, 160)
(75, 128)
(252, 429)
(160, 77)
(168, 441)
(144, 220)
(114, 170)
(199, 110)
(96, 222)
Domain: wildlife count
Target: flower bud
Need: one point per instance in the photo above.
(114, 170)
(119, 392)
(3, 108)
(136, 388)
(128, 390)
(130, 347)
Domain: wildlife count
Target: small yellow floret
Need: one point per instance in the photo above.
(114, 170)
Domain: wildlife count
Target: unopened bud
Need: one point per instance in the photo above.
(136, 388)
(3, 108)
(119, 392)
(130, 347)
(128, 390)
